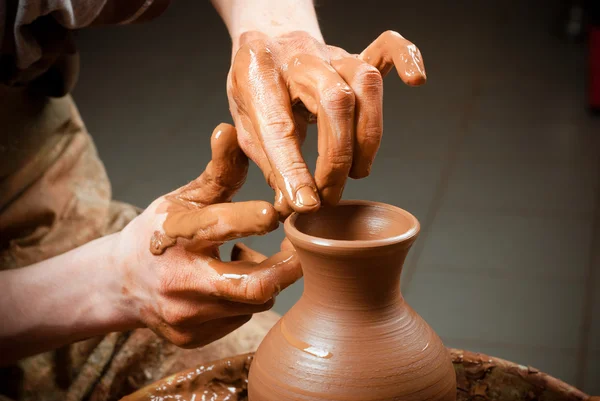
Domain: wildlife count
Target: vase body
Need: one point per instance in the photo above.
(351, 336)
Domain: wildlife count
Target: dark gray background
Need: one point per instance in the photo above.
(496, 156)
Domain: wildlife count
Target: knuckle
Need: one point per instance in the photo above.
(372, 134)
(253, 56)
(294, 169)
(181, 339)
(368, 76)
(279, 124)
(174, 316)
(339, 97)
(369, 143)
(259, 52)
(258, 46)
(257, 291)
(339, 162)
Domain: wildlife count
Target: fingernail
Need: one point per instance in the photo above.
(306, 197)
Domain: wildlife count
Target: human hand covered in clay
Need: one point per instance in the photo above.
(277, 85)
(175, 281)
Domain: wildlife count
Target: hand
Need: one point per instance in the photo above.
(277, 85)
(178, 286)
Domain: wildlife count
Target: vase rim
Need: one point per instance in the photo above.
(298, 237)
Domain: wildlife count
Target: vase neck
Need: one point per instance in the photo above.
(359, 280)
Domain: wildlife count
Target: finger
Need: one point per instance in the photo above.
(231, 308)
(249, 145)
(389, 50)
(190, 309)
(301, 120)
(325, 94)
(281, 205)
(222, 221)
(262, 282)
(367, 84)
(265, 100)
(286, 245)
(301, 124)
(242, 252)
(225, 173)
(205, 333)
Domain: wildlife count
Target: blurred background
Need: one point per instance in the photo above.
(498, 157)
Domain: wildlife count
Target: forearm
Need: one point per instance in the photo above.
(68, 298)
(272, 17)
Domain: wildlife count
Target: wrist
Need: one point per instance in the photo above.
(107, 303)
(270, 17)
(248, 36)
(116, 302)
(61, 300)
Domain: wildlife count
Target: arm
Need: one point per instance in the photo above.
(35, 42)
(62, 300)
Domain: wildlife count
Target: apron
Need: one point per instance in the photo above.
(55, 196)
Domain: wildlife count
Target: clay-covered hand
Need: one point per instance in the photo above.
(277, 85)
(174, 279)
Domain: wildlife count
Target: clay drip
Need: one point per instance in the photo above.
(352, 336)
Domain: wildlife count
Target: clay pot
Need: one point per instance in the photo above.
(351, 336)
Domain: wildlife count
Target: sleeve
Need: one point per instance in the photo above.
(33, 33)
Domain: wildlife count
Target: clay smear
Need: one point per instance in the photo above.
(191, 211)
(219, 381)
(392, 50)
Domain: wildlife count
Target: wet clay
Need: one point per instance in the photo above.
(224, 380)
(391, 50)
(213, 223)
(351, 336)
(200, 211)
(479, 378)
(279, 85)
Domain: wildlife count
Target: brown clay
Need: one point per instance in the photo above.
(224, 380)
(278, 85)
(352, 336)
(479, 378)
(200, 209)
(390, 50)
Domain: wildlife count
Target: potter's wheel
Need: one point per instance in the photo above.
(479, 377)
